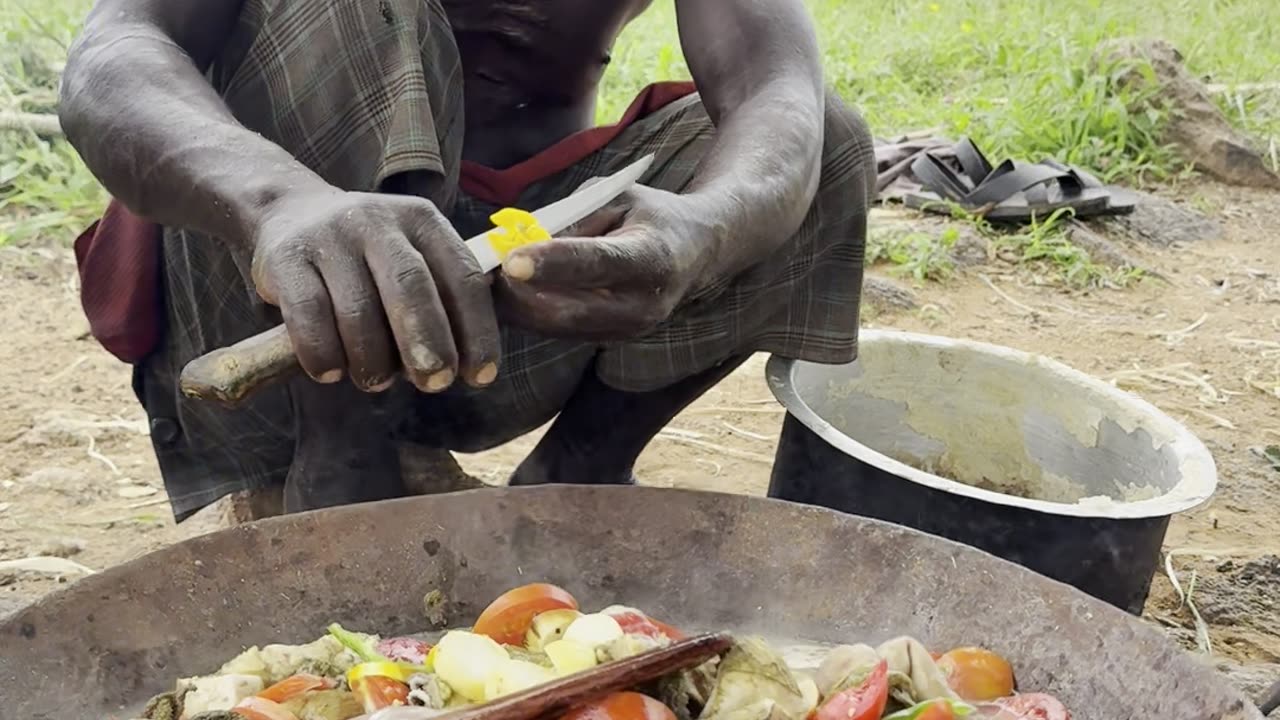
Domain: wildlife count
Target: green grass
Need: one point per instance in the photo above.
(1012, 74)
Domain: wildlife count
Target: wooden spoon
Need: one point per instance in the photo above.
(556, 698)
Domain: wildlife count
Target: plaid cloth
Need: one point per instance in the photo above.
(369, 95)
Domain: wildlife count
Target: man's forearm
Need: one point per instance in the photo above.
(160, 139)
(759, 73)
(761, 174)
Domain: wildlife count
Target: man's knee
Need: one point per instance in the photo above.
(848, 152)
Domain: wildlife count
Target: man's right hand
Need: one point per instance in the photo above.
(362, 278)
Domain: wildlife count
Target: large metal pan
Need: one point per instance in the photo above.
(704, 561)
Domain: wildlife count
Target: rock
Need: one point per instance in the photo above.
(1195, 124)
(970, 248)
(886, 294)
(1247, 595)
(1160, 222)
(10, 604)
(62, 548)
(1252, 679)
(53, 477)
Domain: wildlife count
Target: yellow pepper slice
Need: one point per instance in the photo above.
(515, 228)
(385, 669)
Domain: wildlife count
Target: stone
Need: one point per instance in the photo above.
(1196, 125)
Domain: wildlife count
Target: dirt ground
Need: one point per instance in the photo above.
(78, 479)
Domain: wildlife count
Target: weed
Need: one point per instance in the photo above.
(1016, 77)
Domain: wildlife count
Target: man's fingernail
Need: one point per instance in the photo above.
(421, 356)
(329, 377)
(439, 381)
(383, 385)
(486, 374)
(518, 268)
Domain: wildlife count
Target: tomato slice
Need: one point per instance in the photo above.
(292, 687)
(256, 708)
(508, 618)
(634, 622)
(864, 702)
(622, 706)
(376, 692)
(1034, 706)
(977, 674)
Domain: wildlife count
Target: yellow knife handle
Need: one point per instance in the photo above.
(514, 229)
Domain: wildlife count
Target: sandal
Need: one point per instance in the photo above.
(1122, 200)
(1011, 192)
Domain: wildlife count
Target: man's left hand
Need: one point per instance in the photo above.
(616, 275)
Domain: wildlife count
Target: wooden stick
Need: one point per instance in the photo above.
(555, 698)
(42, 125)
(231, 374)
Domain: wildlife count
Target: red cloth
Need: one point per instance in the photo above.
(119, 262)
(119, 257)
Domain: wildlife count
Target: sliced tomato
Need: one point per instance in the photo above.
(292, 687)
(256, 708)
(1034, 706)
(634, 622)
(508, 618)
(622, 706)
(403, 649)
(977, 674)
(864, 702)
(376, 692)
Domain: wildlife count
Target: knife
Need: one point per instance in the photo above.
(230, 375)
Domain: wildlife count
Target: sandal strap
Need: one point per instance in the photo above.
(934, 175)
(1012, 178)
(975, 164)
(1084, 177)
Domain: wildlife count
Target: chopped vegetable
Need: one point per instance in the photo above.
(403, 649)
(218, 692)
(466, 661)
(845, 666)
(593, 631)
(508, 618)
(976, 674)
(634, 622)
(548, 627)
(294, 686)
(569, 657)
(622, 706)
(429, 691)
(256, 708)
(325, 705)
(865, 701)
(376, 692)
(383, 668)
(626, 646)
(364, 646)
(514, 676)
(1033, 706)
(325, 657)
(752, 675)
(914, 677)
(938, 709)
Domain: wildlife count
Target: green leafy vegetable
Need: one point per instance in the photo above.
(364, 646)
